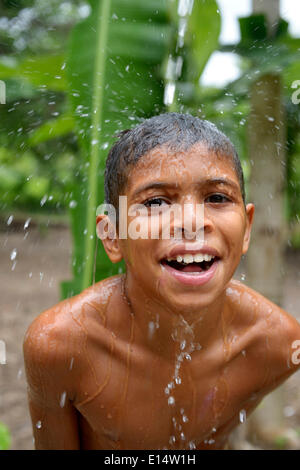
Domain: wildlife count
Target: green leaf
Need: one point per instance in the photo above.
(253, 28)
(36, 187)
(41, 71)
(5, 439)
(204, 27)
(52, 129)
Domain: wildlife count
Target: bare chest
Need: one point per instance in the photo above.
(145, 403)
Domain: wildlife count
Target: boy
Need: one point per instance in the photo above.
(173, 354)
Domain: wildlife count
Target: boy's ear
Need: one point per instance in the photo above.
(106, 231)
(249, 221)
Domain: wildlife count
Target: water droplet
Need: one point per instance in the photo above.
(182, 436)
(185, 7)
(185, 419)
(39, 424)
(10, 219)
(169, 93)
(171, 401)
(242, 416)
(192, 445)
(243, 277)
(151, 329)
(27, 222)
(71, 363)
(73, 204)
(43, 200)
(172, 440)
(62, 399)
(13, 254)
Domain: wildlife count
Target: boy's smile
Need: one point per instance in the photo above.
(190, 268)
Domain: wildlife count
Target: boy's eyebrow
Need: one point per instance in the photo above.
(153, 185)
(226, 181)
(168, 185)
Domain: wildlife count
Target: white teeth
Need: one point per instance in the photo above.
(188, 258)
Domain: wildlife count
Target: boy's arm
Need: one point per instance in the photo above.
(54, 419)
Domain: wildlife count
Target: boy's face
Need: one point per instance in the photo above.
(196, 176)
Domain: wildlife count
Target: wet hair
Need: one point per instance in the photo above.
(178, 132)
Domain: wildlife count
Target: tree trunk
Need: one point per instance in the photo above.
(271, 9)
(265, 260)
(266, 134)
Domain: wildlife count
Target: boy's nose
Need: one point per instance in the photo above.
(194, 223)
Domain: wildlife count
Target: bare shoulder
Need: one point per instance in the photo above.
(59, 333)
(60, 328)
(273, 332)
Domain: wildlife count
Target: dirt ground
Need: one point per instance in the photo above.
(33, 263)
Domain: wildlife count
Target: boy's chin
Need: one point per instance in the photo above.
(189, 303)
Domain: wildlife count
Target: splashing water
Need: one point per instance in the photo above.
(183, 335)
(174, 64)
(10, 219)
(62, 400)
(242, 416)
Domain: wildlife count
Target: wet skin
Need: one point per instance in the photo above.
(146, 361)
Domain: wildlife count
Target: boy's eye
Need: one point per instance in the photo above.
(157, 201)
(217, 198)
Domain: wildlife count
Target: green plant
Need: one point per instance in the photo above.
(5, 438)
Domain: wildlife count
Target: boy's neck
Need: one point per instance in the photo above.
(165, 331)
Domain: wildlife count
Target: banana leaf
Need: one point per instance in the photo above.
(46, 71)
(114, 80)
(115, 75)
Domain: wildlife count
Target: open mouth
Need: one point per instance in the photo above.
(190, 266)
(192, 269)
